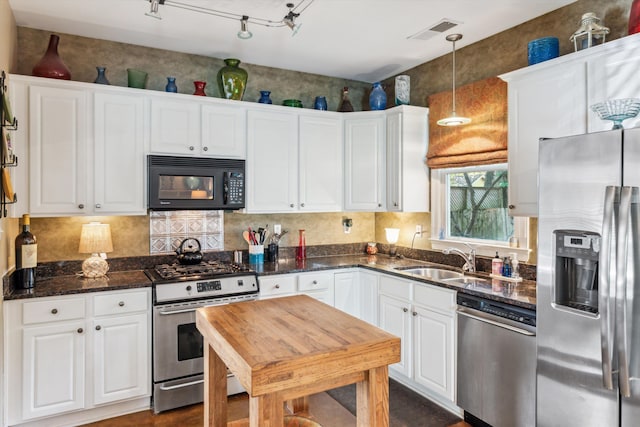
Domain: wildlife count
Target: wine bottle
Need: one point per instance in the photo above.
(26, 256)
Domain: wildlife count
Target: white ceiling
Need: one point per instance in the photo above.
(365, 40)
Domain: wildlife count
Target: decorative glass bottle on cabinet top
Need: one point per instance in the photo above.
(345, 104)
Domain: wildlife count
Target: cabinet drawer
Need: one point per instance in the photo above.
(395, 287)
(276, 285)
(315, 281)
(120, 302)
(52, 310)
(430, 296)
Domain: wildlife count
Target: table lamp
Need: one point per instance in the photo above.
(95, 239)
(392, 238)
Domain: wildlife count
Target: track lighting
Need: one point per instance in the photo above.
(454, 119)
(244, 32)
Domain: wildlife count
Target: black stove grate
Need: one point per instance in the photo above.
(203, 269)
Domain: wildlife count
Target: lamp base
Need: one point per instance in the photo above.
(94, 266)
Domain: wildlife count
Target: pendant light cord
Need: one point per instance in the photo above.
(453, 79)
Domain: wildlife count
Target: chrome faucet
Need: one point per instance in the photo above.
(470, 258)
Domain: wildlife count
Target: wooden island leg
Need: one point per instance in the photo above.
(215, 389)
(372, 397)
(266, 410)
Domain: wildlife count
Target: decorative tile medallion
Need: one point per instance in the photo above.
(167, 229)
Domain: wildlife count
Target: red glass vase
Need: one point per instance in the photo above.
(51, 65)
(301, 250)
(199, 88)
(634, 17)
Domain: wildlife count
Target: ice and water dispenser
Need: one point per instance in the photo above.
(576, 265)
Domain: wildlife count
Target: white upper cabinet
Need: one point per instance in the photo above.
(407, 172)
(272, 162)
(365, 168)
(224, 131)
(175, 126)
(553, 99)
(119, 155)
(321, 155)
(58, 146)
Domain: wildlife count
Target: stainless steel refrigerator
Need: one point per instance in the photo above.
(588, 331)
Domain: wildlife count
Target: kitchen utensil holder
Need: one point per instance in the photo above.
(256, 254)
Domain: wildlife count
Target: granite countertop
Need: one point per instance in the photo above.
(521, 294)
(74, 284)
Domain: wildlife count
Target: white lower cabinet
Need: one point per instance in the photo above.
(70, 353)
(318, 285)
(347, 294)
(423, 316)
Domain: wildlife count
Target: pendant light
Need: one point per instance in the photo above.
(454, 119)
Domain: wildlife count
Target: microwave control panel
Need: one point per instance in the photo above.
(233, 188)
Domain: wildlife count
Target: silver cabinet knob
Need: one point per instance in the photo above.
(121, 303)
(302, 205)
(81, 206)
(277, 286)
(315, 282)
(205, 148)
(54, 311)
(291, 205)
(379, 205)
(98, 205)
(512, 206)
(80, 330)
(405, 309)
(395, 204)
(191, 148)
(98, 328)
(414, 313)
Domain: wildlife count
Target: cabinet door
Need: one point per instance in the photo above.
(224, 131)
(175, 126)
(407, 172)
(58, 155)
(364, 163)
(49, 387)
(347, 293)
(121, 357)
(396, 319)
(119, 155)
(547, 104)
(321, 166)
(434, 351)
(272, 162)
(368, 296)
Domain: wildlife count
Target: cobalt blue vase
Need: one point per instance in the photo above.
(320, 103)
(171, 85)
(101, 79)
(378, 97)
(264, 97)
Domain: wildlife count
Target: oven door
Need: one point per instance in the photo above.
(177, 343)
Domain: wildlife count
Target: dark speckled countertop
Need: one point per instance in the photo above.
(521, 294)
(64, 285)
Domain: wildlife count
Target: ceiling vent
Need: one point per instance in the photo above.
(435, 29)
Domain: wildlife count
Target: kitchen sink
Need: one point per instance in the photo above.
(433, 273)
(469, 282)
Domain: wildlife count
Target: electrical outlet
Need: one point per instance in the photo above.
(277, 229)
(419, 230)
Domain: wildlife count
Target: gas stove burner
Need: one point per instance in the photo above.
(203, 269)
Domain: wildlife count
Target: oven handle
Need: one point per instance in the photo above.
(173, 387)
(190, 310)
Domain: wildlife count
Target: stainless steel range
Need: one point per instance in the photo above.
(178, 290)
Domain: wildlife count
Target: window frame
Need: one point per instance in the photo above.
(483, 247)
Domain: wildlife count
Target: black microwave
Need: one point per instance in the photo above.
(184, 183)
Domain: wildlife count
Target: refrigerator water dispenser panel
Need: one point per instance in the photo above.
(576, 269)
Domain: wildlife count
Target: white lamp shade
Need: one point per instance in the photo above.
(95, 238)
(392, 235)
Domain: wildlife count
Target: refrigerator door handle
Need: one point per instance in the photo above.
(606, 277)
(622, 345)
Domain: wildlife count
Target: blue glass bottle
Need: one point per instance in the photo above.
(171, 85)
(101, 79)
(378, 97)
(320, 103)
(264, 97)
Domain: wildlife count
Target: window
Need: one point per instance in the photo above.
(470, 206)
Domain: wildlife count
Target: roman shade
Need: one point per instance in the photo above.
(484, 140)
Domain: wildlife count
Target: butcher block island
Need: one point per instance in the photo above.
(284, 349)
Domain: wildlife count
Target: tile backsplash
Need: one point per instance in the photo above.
(167, 229)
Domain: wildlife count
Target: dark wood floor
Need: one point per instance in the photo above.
(322, 408)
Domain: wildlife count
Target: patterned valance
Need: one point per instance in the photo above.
(484, 140)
